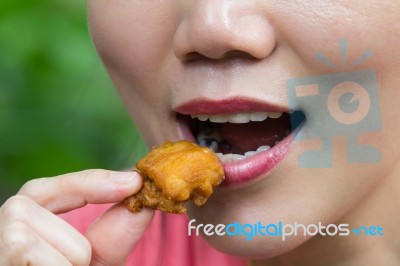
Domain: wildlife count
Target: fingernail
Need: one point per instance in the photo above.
(125, 178)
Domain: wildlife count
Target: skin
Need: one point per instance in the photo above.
(236, 47)
(29, 226)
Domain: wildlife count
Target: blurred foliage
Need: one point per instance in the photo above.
(59, 111)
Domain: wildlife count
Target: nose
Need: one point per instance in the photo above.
(217, 29)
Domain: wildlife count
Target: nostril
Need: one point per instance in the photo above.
(195, 56)
(234, 54)
(238, 54)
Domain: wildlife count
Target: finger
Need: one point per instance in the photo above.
(52, 229)
(114, 234)
(20, 245)
(70, 191)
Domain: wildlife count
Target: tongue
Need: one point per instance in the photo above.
(240, 138)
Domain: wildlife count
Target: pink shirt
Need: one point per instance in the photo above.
(179, 249)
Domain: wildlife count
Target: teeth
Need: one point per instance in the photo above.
(219, 118)
(238, 118)
(275, 114)
(249, 153)
(202, 117)
(263, 148)
(209, 134)
(234, 157)
(214, 146)
(258, 116)
(230, 157)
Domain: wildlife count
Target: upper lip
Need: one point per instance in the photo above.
(226, 106)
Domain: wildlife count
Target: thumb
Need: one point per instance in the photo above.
(115, 233)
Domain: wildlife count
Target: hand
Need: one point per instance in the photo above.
(32, 234)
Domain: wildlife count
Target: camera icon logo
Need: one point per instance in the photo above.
(339, 104)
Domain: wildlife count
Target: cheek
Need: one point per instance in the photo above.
(135, 44)
(317, 26)
(134, 38)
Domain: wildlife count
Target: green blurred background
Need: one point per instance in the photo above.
(59, 111)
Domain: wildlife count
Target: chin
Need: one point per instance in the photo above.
(258, 247)
(265, 200)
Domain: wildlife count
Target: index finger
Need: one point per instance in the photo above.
(71, 191)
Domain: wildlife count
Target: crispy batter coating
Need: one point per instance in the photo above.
(174, 173)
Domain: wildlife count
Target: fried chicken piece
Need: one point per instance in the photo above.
(174, 173)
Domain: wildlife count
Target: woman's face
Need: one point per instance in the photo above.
(171, 59)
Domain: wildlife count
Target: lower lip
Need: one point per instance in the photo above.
(250, 169)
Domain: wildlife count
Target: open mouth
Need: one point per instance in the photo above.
(248, 143)
(237, 136)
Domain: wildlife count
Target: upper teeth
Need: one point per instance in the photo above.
(238, 117)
